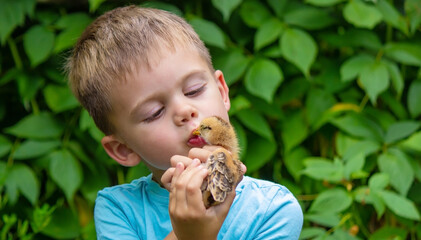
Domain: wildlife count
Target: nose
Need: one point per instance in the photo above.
(184, 113)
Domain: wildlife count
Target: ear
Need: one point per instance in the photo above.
(223, 88)
(119, 151)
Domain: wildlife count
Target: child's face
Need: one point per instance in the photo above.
(156, 110)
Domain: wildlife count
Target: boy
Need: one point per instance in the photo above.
(147, 80)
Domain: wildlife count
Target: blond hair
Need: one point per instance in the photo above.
(107, 49)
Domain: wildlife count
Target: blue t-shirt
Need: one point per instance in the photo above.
(139, 210)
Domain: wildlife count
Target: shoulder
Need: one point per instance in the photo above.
(265, 210)
(123, 195)
(265, 189)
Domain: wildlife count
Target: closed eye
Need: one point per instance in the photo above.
(155, 115)
(195, 92)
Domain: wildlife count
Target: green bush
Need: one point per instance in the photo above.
(325, 99)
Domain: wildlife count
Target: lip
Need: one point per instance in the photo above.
(196, 140)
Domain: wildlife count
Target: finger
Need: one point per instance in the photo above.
(199, 153)
(243, 168)
(210, 148)
(179, 168)
(183, 187)
(178, 158)
(167, 178)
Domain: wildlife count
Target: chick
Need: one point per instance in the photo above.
(223, 164)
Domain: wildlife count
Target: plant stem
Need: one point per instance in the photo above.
(364, 102)
(15, 53)
(360, 223)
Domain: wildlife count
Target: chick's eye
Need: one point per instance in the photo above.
(195, 91)
(155, 115)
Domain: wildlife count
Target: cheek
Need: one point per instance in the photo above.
(157, 148)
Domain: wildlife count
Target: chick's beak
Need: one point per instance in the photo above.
(196, 132)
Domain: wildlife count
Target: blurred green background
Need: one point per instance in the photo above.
(326, 100)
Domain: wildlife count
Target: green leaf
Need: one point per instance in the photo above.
(226, 7)
(389, 232)
(73, 25)
(38, 42)
(362, 14)
(254, 13)
(209, 32)
(24, 179)
(354, 166)
(59, 98)
(66, 171)
(3, 172)
(414, 99)
(35, 148)
(259, 152)
(414, 15)
(233, 64)
(395, 76)
(400, 205)
(12, 14)
(310, 18)
(400, 130)
(323, 169)
(294, 130)
(374, 79)
(324, 219)
(359, 126)
(413, 142)
(333, 200)
(354, 37)
(294, 161)
(267, 33)
(317, 102)
(392, 16)
(365, 146)
(263, 78)
(94, 4)
(324, 3)
(239, 103)
(406, 53)
(378, 181)
(311, 232)
(255, 122)
(99, 179)
(242, 137)
(39, 126)
(364, 195)
(353, 66)
(396, 164)
(63, 217)
(5, 146)
(163, 6)
(28, 86)
(299, 48)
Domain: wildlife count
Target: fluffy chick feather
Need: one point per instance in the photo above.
(223, 164)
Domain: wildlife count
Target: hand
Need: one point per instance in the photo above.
(189, 217)
(200, 153)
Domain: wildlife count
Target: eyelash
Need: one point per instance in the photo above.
(158, 113)
(155, 115)
(195, 92)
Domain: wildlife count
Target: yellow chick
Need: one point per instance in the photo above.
(223, 164)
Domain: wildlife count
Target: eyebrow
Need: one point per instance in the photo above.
(183, 79)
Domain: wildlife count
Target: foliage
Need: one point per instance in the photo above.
(325, 100)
